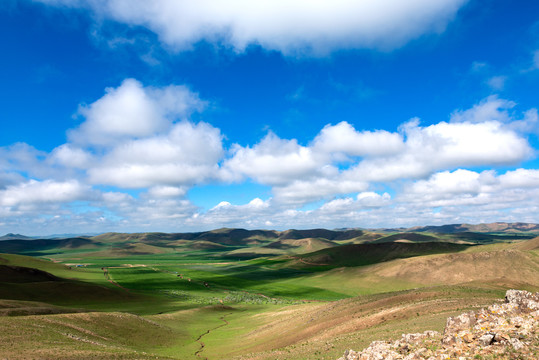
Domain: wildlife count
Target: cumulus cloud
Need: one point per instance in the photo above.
(344, 139)
(137, 137)
(297, 26)
(166, 191)
(21, 157)
(528, 124)
(304, 191)
(253, 214)
(272, 161)
(364, 200)
(490, 109)
(446, 145)
(431, 170)
(48, 191)
(69, 156)
(134, 111)
(484, 190)
(520, 178)
(185, 156)
(342, 160)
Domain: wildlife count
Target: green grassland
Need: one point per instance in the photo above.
(233, 293)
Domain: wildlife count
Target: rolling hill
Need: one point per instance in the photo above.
(248, 294)
(498, 227)
(372, 253)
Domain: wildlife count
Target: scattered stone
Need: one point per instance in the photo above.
(486, 339)
(502, 331)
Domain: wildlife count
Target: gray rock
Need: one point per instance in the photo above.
(516, 343)
(458, 323)
(486, 339)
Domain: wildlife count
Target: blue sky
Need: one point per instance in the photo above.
(158, 116)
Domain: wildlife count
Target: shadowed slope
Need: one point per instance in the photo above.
(20, 274)
(30, 246)
(366, 254)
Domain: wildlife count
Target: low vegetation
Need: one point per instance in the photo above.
(234, 293)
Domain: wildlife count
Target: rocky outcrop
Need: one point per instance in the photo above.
(502, 331)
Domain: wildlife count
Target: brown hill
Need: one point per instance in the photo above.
(494, 266)
(321, 233)
(528, 245)
(301, 245)
(482, 228)
(501, 331)
(413, 237)
(316, 328)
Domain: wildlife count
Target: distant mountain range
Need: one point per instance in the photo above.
(11, 236)
(497, 227)
(229, 236)
(242, 243)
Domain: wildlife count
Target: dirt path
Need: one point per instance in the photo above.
(109, 279)
(305, 261)
(199, 339)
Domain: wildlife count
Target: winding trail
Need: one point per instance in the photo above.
(109, 279)
(199, 339)
(305, 261)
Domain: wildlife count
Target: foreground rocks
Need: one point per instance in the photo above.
(501, 331)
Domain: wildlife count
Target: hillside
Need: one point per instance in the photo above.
(498, 227)
(372, 253)
(242, 294)
(30, 246)
(256, 243)
(501, 331)
(481, 266)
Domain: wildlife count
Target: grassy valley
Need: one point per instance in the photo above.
(234, 293)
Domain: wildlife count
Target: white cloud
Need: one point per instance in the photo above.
(112, 198)
(490, 109)
(528, 124)
(166, 191)
(343, 138)
(144, 139)
(484, 191)
(272, 161)
(430, 170)
(446, 185)
(297, 26)
(187, 155)
(446, 145)
(364, 200)
(133, 111)
(48, 191)
(481, 136)
(69, 156)
(372, 199)
(520, 178)
(304, 191)
(21, 157)
(222, 204)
